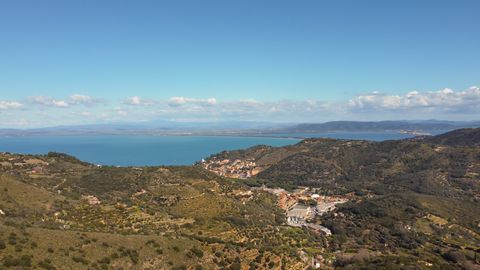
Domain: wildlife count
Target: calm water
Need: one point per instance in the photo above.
(156, 150)
(135, 150)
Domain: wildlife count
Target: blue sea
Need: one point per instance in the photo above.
(157, 150)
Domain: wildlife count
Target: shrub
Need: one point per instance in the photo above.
(12, 239)
(105, 260)
(46, 264)
(236, 266)
(25, 261)
(79, 259)
(454, 256)
(197, 252)
(9, 261)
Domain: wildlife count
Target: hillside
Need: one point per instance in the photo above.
(461, 137)
(61, 213)
(407, 204)
(418, 200)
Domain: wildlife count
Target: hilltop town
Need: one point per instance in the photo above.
(240, 169)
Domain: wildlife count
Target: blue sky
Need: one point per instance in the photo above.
(302, 61)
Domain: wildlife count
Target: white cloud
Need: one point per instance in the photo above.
(137, 101)
(134, 100)
(75, 99)
(121, 112)
(60, 103)
(7, 105)
(48, 102)
(83, 99)
(179, 101)
(442, 100)
(446, 104)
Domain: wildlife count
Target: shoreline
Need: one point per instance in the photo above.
(233, 135)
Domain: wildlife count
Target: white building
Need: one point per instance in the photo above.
(299, 214)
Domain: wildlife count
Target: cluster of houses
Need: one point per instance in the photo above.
(240, 169)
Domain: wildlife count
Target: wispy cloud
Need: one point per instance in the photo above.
(77, 99)
(445, 104)
(440, 101)
(7, 105)
(179, 101)
(137, 101)
(48, 102)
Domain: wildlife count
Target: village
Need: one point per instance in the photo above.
(301, 206)
(240, 169)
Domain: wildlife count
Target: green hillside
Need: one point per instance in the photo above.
(60, 213)
(418, 200)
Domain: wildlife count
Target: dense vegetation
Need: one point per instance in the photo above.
(419, 199)
(61, 213)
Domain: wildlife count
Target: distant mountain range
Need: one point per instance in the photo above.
(243, 128)
(356, 126)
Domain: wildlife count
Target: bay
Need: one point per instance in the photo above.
(135, 150)
(160, 150)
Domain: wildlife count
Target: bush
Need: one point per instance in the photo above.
(197, 252)
(454, 256)
(79, 259)
(12, 239)
(9, 261)
(236, 266)
(25, 261)
(46, 264)
(105, 260)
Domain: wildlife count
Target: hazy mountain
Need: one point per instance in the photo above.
(356, 126)
(161, 127)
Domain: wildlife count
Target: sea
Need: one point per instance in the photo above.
(161, 150)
